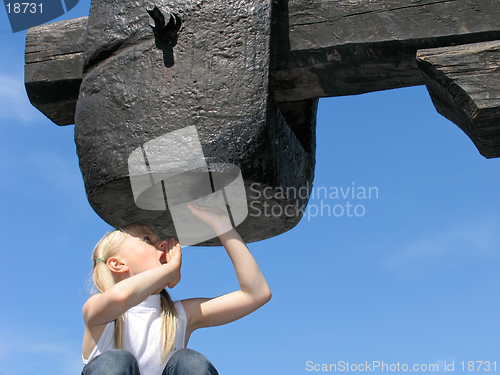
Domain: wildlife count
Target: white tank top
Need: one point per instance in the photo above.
(142, 335)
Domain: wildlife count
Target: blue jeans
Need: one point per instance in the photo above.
(122, 362)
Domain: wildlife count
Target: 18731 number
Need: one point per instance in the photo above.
(478, 365)
(24, 7)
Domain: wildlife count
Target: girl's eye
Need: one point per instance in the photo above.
(146, 239)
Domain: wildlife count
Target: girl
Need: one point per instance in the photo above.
(132, 327)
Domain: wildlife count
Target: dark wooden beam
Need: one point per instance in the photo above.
(156, 111)
(333, 48)
(248, 79)
(347, 47)
(464, 84)
(53, 70)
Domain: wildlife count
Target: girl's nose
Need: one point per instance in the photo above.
(162, 245)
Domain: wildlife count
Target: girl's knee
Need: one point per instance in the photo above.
(112, 362)
(119, 355)
(189, 362)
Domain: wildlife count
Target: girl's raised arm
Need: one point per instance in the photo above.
(254, 291)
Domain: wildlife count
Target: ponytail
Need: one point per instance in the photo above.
(169, 318)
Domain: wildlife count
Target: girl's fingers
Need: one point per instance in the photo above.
(174, 243)
(173, 247)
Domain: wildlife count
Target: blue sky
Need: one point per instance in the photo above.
(413, 280)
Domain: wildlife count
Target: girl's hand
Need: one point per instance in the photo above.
(173, 256)
(213, 216)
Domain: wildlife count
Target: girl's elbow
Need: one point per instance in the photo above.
(269, 295)
(265, 296)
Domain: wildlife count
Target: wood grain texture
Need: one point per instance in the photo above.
(347, 47)
(341, 47)
(327, 48)
(53, 70)
(322, 24)
(464, 84)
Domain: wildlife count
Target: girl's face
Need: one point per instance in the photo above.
(143, 251)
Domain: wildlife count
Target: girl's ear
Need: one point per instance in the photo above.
(116, 265)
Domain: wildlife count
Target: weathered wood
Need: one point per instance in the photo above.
(53, 70)
(248, 79)
(464, 84)
(334, 48)
(216, 76)
(347, 47)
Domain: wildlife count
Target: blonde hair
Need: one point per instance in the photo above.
(103, 279)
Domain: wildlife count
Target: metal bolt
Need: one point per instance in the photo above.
(156, 15)
(162, 30)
